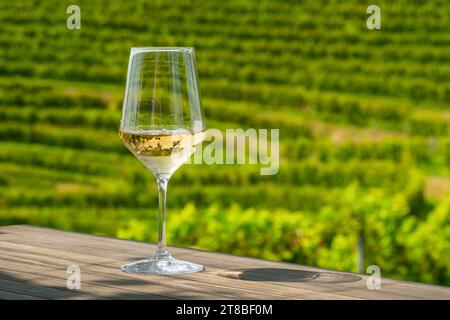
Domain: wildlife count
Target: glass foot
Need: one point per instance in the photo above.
(163, 266)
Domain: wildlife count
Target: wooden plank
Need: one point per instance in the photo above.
(176, 282)
(233, 284)
(7, 295)
(93, 286)
(32, 258)
(214, 279)
(103, 283)
(40, 290)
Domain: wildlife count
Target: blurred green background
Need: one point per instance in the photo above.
(363, 116)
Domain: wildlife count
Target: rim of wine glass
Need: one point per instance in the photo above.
(161, 49)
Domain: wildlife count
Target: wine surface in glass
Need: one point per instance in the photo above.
(162, 151)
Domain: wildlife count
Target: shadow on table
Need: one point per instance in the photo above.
(289, 275)
(15, 287)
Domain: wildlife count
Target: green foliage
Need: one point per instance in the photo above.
(429, 243)
(314, 238)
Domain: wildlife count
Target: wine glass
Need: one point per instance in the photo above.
(162, 124)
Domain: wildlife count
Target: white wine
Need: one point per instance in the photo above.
(162, 151)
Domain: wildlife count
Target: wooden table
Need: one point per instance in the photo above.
(34, 263)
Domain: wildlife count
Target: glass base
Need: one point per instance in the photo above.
(162, 266)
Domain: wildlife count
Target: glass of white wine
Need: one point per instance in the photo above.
(162, 124)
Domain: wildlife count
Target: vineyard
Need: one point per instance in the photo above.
(364, 119)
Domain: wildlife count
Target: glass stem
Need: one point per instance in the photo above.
(161, 251)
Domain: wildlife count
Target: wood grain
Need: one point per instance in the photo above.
(34, 262)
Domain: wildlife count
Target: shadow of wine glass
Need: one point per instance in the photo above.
(288, 275)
